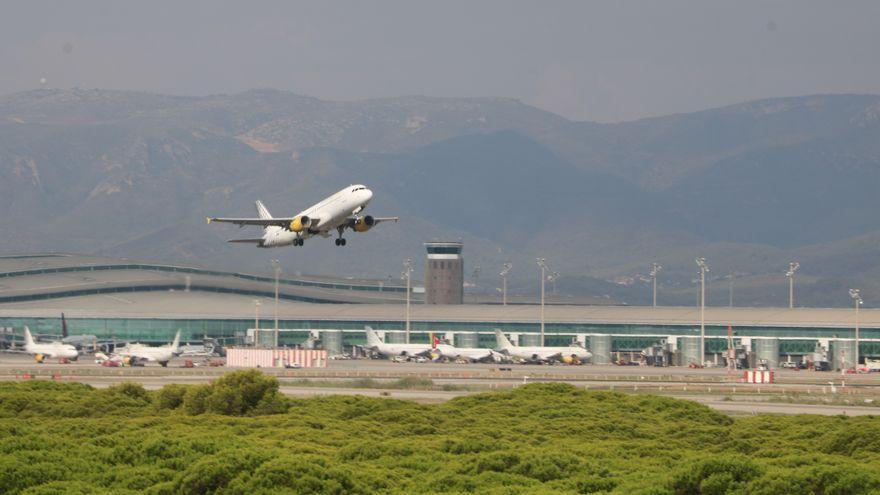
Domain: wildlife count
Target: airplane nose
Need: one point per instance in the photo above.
(368, 193)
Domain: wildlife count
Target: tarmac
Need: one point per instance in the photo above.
(717, 388)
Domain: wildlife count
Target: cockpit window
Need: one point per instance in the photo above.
(358, 189)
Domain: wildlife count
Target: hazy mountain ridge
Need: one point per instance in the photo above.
(750, 186)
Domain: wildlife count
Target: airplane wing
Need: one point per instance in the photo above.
(547, 356)
(262, 222)
(362, 224)
(255, 240)
(378, 220)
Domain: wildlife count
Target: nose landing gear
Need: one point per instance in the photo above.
(340, 242)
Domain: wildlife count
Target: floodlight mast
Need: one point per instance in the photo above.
(407, 274)
(655, 269)
(857, 300)
(542, 263)
(505, 269)
(701, 262)
(792, 267)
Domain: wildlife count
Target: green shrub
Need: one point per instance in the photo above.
(540, 439)
(170, 397)
(715, 475)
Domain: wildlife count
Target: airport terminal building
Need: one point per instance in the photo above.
(148, 302)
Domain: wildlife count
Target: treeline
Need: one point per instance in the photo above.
(239, 435)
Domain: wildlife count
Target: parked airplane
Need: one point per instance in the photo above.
(84, 342)
(139, 353)
(448, 351)
(338, 212)
(568, 354)
(388, 350)
(51, 349)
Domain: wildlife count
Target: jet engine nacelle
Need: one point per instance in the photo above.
(299, 223)
(363, 224)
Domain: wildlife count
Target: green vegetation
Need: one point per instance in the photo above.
(407, 383)
(238, 435)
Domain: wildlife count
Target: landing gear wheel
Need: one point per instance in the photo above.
(298, 242)
(337, 241)
(340, 242)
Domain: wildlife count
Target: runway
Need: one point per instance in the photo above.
(716, 388)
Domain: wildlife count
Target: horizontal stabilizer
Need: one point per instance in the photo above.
(256, 240)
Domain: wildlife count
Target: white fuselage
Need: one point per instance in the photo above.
(389, 350)
(469, 353)
(534, 353)
(547, 353)
(160, 354)
(154, 354)
(53, 350)
(330, 213)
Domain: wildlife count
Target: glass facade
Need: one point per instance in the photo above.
(626, 337)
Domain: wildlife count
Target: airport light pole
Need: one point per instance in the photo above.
(505, 269)
(857, 300)
(542, 262)
(407, 274)
(792, 267)
(701, 262)
(655, 269)
(277, 266)
(256, 321)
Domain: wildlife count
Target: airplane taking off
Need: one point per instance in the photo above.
(52, 349)
(144, 353)
(375, 343)
(565, 354)
(337, 212)
(449, 351)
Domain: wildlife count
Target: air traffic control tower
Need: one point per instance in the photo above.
(444, 273)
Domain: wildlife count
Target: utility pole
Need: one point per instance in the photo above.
(701, 262)
(792, 267)
(857, 300)
(407, 273)
(277, 265)
(504, 271)
(542, 262)
(655, 269)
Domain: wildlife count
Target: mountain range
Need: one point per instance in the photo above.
(750, 187)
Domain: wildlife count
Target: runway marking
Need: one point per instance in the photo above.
(119, 299)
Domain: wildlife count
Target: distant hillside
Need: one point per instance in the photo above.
(749, 186)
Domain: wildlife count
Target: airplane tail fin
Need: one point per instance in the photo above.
(262, 211)
(176, 344)
(28, 338)
(501, 340)
(372, 337)
(63, 327)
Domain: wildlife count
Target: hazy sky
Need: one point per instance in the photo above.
(605, 61)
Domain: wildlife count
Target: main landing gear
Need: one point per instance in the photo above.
(299, 242)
